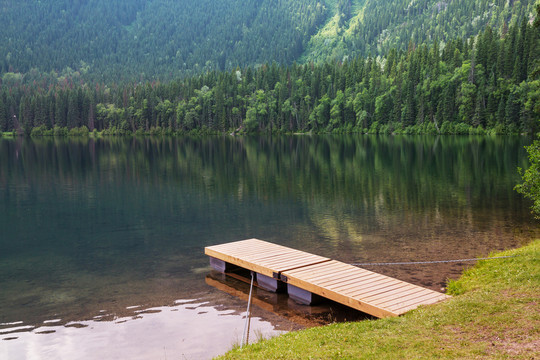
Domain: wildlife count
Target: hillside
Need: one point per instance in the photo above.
(488, 83)
(364, 27)
(119, 39)
(112, 40)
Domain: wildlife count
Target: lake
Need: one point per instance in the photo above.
(102, 241)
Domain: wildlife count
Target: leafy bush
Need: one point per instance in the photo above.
(499, 129)
(530, 187)
(430, 129)
(447, 128)
(462, 129)
(374, 128)
(60, 131)
(38, 131)
(80, 131)
(156, 131)
(477, 130)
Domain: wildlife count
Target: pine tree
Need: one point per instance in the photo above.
(3, 115)
(512, 109)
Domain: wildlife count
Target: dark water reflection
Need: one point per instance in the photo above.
(102, 225)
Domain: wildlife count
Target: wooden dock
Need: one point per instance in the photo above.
(309, 276)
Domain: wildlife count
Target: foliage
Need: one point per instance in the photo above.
(473, 86)
(60, 131)
(492, 315)
(363, 27)
(530, 187)
(38, 131)
(121, 39)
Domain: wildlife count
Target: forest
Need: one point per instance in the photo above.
(110, 41)
(367, 27)
(484, 84)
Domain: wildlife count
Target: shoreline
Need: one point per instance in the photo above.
(491, 314)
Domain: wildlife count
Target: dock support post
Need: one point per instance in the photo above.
(270, 284)
(302, 296)
(220, 265)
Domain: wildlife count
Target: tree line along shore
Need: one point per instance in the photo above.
(482, 85)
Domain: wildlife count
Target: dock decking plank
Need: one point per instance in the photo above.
(410, 300)
(322, 276)
(403, 291)
(374, 288)
(353, 284)
(423, 302)
(361, 287)
(364, 277)
(262, 257)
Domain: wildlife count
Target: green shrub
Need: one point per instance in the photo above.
(479, 130)
(447, 128)
(38, 131)
(156, 131)
(430, 129)
(418, 129)
(114, 131)
(60, 131)
(499, 129)
(461, 129)
(80, 131)
(511, 129)
(530, 187)
(374, 128)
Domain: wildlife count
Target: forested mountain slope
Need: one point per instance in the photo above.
(112, 40)
(373, 27)
(119, 39)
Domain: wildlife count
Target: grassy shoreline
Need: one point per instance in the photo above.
(494, 314)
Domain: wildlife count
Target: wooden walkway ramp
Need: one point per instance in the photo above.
(308, 276)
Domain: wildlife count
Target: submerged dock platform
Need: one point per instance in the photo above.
(308, 277)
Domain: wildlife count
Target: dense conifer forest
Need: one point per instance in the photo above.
(367, 27)
(119, 40)
(481, 83)
(108, 40)
(484, 83)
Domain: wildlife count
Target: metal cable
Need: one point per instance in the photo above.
(430, 262)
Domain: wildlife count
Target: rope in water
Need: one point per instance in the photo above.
(245, 334)
(430, 262)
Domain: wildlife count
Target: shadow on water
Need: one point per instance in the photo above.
(90, 225)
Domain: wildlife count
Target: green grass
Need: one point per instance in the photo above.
(494, 313)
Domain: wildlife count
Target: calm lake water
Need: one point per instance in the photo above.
(101, 241)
